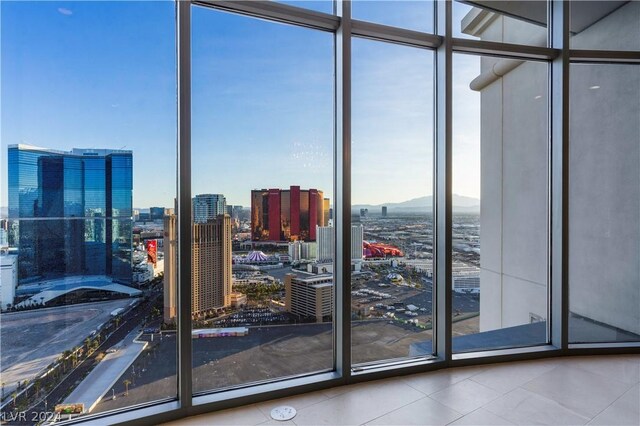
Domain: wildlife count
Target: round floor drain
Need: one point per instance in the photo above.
(283, 413)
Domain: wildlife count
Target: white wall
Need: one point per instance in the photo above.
(604, 194)
(513, 219)
(8, 279)
(604, 184)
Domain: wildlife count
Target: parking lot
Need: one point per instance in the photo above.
(255, 317)
(379, 296)
(265, 353)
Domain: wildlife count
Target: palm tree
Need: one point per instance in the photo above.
(74, 357)
(126, 383)
(65, 355)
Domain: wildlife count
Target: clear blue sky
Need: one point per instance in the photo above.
(102, 74)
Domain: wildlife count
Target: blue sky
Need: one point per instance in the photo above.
(102, 74)
(93, 74)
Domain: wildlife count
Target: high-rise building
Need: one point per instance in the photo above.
(156, 213)
(384, 211)
(326, 211)
(73, 211)
(326, 243)
(309, 296)
(357, 237)
(301, 250)
(364, 212)
(325, 250)
(208, 206)
(210, 266)
(287, 214)
(170, 279)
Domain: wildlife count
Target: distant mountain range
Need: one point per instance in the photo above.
(461, 204)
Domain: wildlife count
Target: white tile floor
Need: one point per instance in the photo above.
(598, 390)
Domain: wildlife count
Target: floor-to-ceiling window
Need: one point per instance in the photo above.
(262, 143)
(391, 201)
(361, 187)
(88, 178)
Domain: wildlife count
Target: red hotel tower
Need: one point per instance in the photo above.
(287, 214)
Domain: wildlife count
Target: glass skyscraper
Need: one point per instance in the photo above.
(71, 212)
(208, 206)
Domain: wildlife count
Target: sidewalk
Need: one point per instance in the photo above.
(100, 381)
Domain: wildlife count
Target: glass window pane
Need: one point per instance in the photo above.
(262, 157)
(392, 189)
(413, 14)
(519, 22)
(88, 173)
(325, 6)
(500, 187)
(609, 25)
(604, 203)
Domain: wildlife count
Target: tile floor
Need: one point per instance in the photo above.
(594, 390)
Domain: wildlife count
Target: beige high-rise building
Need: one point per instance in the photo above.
(309, 295)
(211, 266)
(170, 268)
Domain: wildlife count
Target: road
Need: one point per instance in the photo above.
(130, 321)
(32, 340)
(101, 379)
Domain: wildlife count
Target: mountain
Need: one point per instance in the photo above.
(460, 204)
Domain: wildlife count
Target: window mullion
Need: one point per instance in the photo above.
(442, 190)
(342, 181)
(559, 128)
(183, 9)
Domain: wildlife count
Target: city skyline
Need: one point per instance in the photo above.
(126, 99)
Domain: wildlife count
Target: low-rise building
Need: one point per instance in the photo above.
(237, 299)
